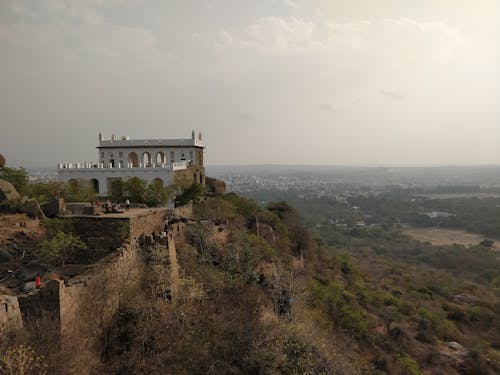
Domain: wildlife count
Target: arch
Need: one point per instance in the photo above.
(157, 181)
(146, 159)
(94, 184)
(201, 178)
(160, 158)
(73, 184)
(133, 159)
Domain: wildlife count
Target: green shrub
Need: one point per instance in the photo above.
(408, 364)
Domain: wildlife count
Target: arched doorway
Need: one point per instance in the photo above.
(160, 158)
(157, 182)
(94, 184)
(73, 184)
(133, 159)
(146, 159)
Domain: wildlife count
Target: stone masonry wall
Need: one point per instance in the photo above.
(185, 212)
(146, 223)
(10, 314)
(89, 302)
(101, 233)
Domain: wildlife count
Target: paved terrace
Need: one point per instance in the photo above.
(126, 214)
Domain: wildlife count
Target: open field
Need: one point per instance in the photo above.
(460, 195)
(439, 236)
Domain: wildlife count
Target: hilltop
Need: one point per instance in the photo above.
(255, 293)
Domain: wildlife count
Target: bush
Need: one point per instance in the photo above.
(408, 364)
(17, 177)
(191, 193)
(61, 247)
(22, 360)
(134, 188)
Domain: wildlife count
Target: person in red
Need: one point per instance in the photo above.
(38, 281)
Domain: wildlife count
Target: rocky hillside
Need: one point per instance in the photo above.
(256, 294)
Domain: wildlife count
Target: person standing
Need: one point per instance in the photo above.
(38, 281)
(127, 204)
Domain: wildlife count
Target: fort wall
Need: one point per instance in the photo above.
(88, 301)
(10, 313)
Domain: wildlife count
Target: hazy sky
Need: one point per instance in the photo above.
(398, 82)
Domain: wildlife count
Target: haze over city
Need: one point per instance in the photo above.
(267, 82)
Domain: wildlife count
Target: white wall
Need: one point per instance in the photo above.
(140, 151)
(102, 175)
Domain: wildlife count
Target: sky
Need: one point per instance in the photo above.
(347, 82)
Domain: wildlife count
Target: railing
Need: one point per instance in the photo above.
(178, 165)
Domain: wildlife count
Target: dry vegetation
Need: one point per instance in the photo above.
(248, 304)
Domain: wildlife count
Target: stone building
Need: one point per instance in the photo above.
(164, 160)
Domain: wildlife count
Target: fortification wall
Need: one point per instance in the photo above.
(101, 233)
(153, 220)
(89, 302)
(43, 302)
(10, 313)
(184, 212)
(194, 173)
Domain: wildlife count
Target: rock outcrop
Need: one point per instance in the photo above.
(8, 192)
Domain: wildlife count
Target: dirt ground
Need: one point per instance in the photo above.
(19, 236)
(439, 236)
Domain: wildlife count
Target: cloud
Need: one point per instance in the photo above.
(242, 115)
(292, 4)
(272, 35)
(392, 94)
(327, 107)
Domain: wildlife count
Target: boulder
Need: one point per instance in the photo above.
(464, 298)
(32, 208)
(29, 286)
(28, 273)
(8, 192)
(5, 256)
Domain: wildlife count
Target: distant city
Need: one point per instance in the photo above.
(330, 180)
(320, 181)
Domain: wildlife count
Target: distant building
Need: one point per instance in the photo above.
(435, 214)
(164, 160)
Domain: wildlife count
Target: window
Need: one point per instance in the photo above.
(172, 155)
(191, 155)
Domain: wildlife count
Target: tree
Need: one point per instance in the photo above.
(17, 177)
(156, 194)
(61, 247)
(487, 243)
(44, 191)
(117, 190)
(191, 193)
(134, 188)
(284, 211)
(79, 191)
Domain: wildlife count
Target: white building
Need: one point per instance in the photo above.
(165, 160)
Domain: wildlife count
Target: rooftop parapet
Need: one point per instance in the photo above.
(178, 165)
(125, 141)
